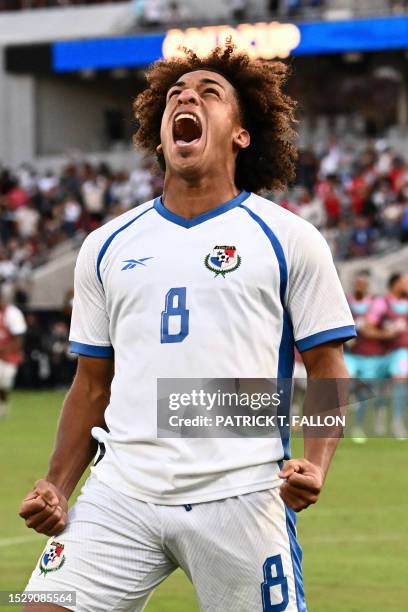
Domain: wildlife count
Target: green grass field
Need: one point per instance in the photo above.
(355, 540)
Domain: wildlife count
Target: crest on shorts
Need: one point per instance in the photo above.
(222, 259)
(53, 558)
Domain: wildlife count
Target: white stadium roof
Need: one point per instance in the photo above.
(46, 25)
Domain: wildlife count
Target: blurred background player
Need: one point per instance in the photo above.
(12, 330)
(364, 360)
(387, 320)
(359, 357)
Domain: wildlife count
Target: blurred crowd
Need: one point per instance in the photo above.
(358, 199)
(39, 211)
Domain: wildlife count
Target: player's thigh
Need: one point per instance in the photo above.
(242, 554)
(110, 554)
(8, 373)
(398, 363)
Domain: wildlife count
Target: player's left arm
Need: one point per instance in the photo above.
(322, 322)
(304, 477)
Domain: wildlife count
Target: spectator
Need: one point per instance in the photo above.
(361, 237)
(398, 6)
(330, 164)
(8, 270)
(290, 8)
(390, 220)
(12, 329)
(71, 215)
(177, 13)
(328, 191)
(238, 9)
(16, 196)
(404, 223)
(93, 193)
(343, 240)
(153, 13)
(27, 219)
(307, 169)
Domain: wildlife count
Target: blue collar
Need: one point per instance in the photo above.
(210, 214)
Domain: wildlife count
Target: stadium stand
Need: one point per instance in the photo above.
(358, 199)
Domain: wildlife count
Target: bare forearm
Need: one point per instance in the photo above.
(45, 508)
(326, 395)
(320, 452)
(83, 409)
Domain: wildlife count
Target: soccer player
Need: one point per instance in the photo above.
(387, 320)
(209, 280)
(364, 358)
(12, 329)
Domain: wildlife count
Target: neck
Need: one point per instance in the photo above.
(192, 198)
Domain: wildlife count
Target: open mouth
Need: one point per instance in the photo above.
(186, 129)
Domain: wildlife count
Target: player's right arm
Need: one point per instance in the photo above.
(45, 507)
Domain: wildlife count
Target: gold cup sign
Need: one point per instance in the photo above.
(259, 40)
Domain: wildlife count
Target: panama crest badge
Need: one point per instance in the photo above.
(222, 260)
(53, 558)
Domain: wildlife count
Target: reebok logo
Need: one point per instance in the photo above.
(132, 263)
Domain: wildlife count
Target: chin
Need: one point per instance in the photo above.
(189, 170)
(186, 162)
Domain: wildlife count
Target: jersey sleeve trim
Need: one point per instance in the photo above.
(90, 350)
(338, 333)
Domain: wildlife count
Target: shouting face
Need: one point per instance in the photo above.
(201, 126)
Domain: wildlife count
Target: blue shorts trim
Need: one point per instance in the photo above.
(296, 554)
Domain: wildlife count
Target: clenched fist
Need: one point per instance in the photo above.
(45, 509)
(303, 483)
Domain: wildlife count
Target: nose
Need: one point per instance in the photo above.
(187, 96)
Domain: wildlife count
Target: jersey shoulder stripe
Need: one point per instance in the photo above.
(286, 345)
(112, 236)
(277, 247)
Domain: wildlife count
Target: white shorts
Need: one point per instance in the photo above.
(8, 373)
(240, 553)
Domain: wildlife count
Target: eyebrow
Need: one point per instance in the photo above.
(205, 80)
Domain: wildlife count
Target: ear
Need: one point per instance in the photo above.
(242, 138)
(159, 149)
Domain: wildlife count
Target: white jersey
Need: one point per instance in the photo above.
(225, 295)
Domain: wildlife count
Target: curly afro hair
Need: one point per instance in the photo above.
(267, 113)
